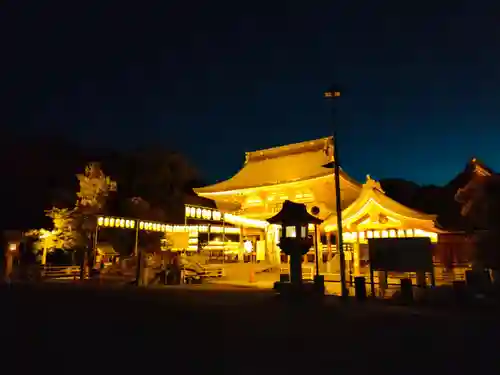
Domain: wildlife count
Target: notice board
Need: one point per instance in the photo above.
(400, 254)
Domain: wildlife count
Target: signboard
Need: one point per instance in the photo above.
(177, 240)
(401, 254)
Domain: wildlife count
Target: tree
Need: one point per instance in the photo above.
(141, 209)
(95, 187)
(65, 234)
(159, 177)
(46, 241)
(480, 202)
(74, 227)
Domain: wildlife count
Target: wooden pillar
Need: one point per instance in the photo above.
(268, 254)
(320, 250)
(241, 251)
(356, 256)
(276, 248)
(329, 250)
(329, 245)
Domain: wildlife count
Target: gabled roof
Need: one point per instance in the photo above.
(480, 169)
(278, 165)
(473, 169)
(372, 194)
(106, 249)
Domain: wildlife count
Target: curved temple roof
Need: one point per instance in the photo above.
(278, 165)
(373, 195)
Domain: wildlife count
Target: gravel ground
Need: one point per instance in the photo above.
(73, 328)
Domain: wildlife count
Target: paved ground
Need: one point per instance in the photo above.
(73, 328)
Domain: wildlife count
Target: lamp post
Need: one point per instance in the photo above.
(46, 236)
(335, 164)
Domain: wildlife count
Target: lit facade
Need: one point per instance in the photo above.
(295, 172)
(271, 176)
(374, 215)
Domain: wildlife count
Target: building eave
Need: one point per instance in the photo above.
(210, 192)
(372, 195)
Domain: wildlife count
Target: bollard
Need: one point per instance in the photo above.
(421, 280)
(478, 281)
(471, 278)
(360, 288)
(406, 290)
(487, 280)
(251, 278)
(284, 278)
(460, 290)
(319, 284)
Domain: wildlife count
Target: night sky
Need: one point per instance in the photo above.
(213, 79)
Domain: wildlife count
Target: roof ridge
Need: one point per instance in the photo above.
(479, 167)
(289, 149)
(410, 209)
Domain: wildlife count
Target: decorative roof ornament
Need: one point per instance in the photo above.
(373, 184)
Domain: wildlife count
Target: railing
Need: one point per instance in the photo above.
(452, 274)
(307, 272)
(60, 272)
(210, 272)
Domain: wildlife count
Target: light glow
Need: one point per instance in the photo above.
(290, 232)
(349, 220)
(240, 220)
(115, 222)
(392, 233)
(327, 176)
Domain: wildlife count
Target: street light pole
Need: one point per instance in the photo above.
(338, 200)
(338, 205)
(138, 253)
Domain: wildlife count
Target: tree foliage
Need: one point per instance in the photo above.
(141, 209)
(159, 177)
(72, 225)
(66, 234)
(45, 239)
(95, 187)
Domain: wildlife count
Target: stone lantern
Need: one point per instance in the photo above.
(11, 251)
(294, 241)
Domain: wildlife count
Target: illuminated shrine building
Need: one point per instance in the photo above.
(295, 172)
(269, 177)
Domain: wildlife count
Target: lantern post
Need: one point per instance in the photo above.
(294, 239)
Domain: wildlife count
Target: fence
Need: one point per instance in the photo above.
(212, 272)
(442, 276)
(307, 272)
(60, 272)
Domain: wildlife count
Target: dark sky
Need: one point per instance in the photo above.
(213, 79)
